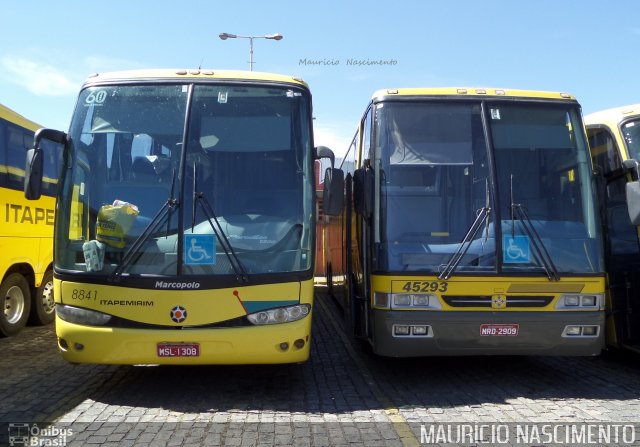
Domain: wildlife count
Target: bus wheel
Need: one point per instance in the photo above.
(16, 302)
(43, 308)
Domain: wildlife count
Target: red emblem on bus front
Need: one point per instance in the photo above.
(178, 314)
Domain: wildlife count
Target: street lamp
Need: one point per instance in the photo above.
(225, 36)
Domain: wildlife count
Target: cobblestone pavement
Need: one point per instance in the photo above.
(343, 396)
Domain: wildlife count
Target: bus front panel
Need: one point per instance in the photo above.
(97, 324)
(422, 315)
(186, 206)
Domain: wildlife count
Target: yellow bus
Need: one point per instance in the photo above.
(614, 138)
(26, 230)
(471, 226)
(185, 229)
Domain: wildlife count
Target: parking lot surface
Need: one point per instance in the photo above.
(343, 396)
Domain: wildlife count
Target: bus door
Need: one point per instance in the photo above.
(622, 245)
(364, 204)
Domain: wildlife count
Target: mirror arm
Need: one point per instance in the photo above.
(325, 152)
(633, 166)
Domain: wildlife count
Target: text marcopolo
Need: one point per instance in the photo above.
(177, 285)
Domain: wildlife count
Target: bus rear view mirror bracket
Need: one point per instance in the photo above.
(633, 166)
(325, 152)
(35, 161)
(363, 192)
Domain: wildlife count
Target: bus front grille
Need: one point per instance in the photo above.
(512, 301)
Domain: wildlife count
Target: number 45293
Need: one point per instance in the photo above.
(425, 286)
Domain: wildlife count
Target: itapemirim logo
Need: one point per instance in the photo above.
(21, 434)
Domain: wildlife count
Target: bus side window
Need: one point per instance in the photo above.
(3, 154)
(604, 150)
(18, 141)
(622, 235)
(349, 161)
(366, 136)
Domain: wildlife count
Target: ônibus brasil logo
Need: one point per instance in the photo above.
(21, 434)
(178, 314)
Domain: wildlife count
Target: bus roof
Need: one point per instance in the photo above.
(174, 74)
(471, 91)
(14, 117)
(612, 117)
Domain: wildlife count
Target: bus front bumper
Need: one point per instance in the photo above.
(268, 344)
(485, 333)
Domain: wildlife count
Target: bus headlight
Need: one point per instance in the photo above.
(78, 315)
(280, 315)
(381, 299)
(401, 300)
(580, 301)
(414, 301)
(571, 300)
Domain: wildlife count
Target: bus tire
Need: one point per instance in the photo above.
(15, 295)
(43, 306)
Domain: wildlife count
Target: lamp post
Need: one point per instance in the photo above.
(225, 36)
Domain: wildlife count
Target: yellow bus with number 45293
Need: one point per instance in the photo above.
(471, 226)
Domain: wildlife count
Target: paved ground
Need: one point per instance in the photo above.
(342, 396)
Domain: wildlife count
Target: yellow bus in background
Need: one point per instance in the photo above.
(471, 226)
(614, 138)
(185, 225)
(26, 230)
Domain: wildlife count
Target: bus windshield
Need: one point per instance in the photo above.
(187, 179)
(631, 133)
(443, 189)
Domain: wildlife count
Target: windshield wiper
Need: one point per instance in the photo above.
(198, 197)
(463, 246)
(481, 218)
(519, 212)
(167, 209)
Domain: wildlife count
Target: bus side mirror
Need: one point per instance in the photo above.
(33, 174)
(633, 190)
(363, 192)
(333, 192)
(633, 201)
(33, 171)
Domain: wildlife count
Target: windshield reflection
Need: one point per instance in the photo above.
(434, 173)
(132, 185)
(441, 199)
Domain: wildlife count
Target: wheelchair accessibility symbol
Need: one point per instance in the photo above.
(199, 249)
(516, 249)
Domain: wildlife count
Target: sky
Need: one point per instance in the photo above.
(586, 47)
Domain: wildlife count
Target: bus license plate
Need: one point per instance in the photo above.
(499, 330)
(178, 350)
